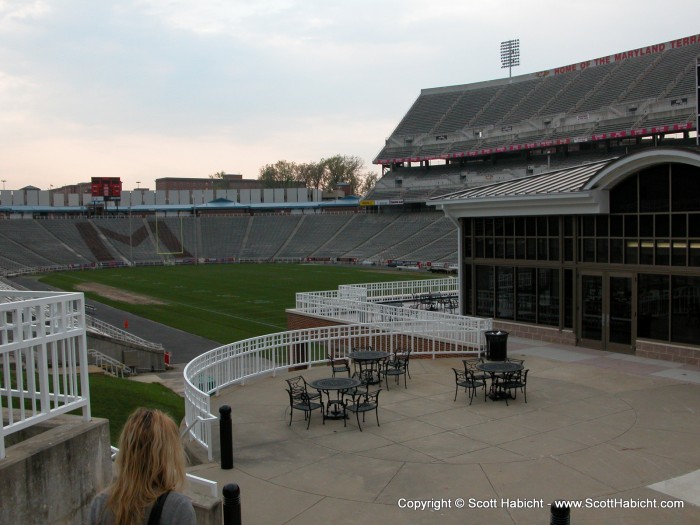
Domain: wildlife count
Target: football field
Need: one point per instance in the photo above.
(224, 303)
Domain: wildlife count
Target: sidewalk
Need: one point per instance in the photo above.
(596, 425)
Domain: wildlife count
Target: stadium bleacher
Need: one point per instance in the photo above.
(629, 94)
(451, 138)
(334, 236)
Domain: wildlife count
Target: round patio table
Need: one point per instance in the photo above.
(495, 368)
(338, 384)
(370, 361)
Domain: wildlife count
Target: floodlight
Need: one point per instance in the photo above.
(510, 55)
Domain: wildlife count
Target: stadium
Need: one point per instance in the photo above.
(564, 199)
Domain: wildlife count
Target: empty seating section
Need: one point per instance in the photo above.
(431, 149)
(356, 231)
(615, 125)
(545, 91)
(426, 111)
(673, 66)
(393, 152)
(404, 225)
(267, 234)
(665, 121)
(465, 145)
(655, 76)
(67, 231)
(374, 237)
(32, 245)
(313, 232)
(438, 230)
(625, 74)
(466, 109)
(131, 238)
(222, 237)
(503, 103)
(97, 243)
(437, 250)
(580, 84)
(171, 236)
(685, 84)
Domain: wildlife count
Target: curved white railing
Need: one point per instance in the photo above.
(266, 355)
(369, 323)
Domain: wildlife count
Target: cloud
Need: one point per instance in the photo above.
(151, 86)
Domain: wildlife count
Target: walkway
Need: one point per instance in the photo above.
(596, 425)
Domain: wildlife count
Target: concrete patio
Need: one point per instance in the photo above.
(603, 429)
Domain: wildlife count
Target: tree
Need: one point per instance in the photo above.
(369, 179)
(325, 174)
(218, 183)
(280, 174)
(311, 174)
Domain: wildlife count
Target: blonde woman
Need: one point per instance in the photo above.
(150, 468)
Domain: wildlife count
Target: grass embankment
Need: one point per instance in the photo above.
(114, 399)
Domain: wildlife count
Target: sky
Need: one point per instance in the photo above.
(145, 89)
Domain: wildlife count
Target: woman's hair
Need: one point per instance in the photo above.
(150, 461)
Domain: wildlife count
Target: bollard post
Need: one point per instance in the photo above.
(226, 437)
(232, 504)
(559, 513)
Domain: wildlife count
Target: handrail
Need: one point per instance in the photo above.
(237, 362)
(209, 487)
(119, 334)
(43, 356)
(370, 323)
(401, 290)
(113, 364)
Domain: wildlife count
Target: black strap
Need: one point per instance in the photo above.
(154, 518)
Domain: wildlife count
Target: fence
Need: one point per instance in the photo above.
(243, 360)
(393, 291)
(118, 334)
(369, 324)
(43, 358)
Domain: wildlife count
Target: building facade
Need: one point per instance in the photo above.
(604, 255)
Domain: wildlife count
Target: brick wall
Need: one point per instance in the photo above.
(668, 352)
(540, 333)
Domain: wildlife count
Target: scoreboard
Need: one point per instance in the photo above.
(110, 188)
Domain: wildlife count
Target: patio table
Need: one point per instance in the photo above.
(370, 361)
(339, 384)
(498, 368)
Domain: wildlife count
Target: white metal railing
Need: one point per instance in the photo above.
(109, 364)
(370, 323)
(118, 334)
(195, 483)
(391, 291)
(43, 358)
(468, 330)
(237, 362)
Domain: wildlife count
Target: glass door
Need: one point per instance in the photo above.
(607, 311)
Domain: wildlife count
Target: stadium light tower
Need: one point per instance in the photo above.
(510, 55)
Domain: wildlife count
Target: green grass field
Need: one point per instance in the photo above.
(114, 399)
(224, 303)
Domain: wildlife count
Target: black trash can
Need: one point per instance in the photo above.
(496, 345)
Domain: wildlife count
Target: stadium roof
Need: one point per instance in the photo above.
(582, 189)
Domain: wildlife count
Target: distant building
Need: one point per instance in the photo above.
(227, 182)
